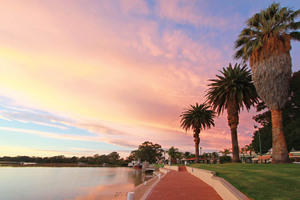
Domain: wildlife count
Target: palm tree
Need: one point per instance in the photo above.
(225, 152)
(249, 148)
(173, 153)
(197, 118)
(266, 43)
(232, 91)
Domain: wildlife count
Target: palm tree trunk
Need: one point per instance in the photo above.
(280, 153)
(235, 145)
(233, 121)
(197, 142)
(271, 79)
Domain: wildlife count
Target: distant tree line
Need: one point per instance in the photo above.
(112, 159)
(148, 152)
(153, 153)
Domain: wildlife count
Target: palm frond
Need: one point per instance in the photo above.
(235, 84)
(197, 117)
(295, 35)
(272, 22)
(294, 25)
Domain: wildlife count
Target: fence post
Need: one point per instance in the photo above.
(130, 196)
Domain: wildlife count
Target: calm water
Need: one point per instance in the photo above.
(30, 183)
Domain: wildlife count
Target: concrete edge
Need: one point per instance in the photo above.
(207, 171)
(148, 191)
(231, 188)
(171, 167)
(141, 185)
(221, 186)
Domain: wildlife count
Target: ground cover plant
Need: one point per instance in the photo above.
(260, 181)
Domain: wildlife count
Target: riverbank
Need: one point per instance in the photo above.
(17, 164)
(142, 190)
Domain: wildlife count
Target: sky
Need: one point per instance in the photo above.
(79, 78)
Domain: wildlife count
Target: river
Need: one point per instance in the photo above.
(68, 183)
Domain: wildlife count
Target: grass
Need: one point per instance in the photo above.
(162, 165)
(158, 165)
(260, 181)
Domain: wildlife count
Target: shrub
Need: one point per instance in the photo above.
(225, 159)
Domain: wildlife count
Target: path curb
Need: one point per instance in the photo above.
(148, 191)
(222, 187)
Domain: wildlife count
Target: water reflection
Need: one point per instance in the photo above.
(116, 191)
(68, 183)
(137, 177)
(107, 192)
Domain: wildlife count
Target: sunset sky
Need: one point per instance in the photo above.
(91, 77)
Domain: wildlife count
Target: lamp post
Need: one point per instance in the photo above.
(259, 144)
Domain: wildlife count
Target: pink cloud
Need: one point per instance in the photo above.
(187, 12)
(135, 6)
(122, 77)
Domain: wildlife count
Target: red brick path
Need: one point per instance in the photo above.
(182, 168)
(182, 186)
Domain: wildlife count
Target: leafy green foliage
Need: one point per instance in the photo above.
(265, 137)
(173, 152)
(236, 84)
(112, 159)
(291, 120)
(273, 21)
(225, 159)
(197, 117)
(148, 152)
(225, 152)
(232, 91)
(187, 155)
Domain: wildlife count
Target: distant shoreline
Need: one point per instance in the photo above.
(53, 165)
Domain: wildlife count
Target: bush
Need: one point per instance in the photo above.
(225, 159)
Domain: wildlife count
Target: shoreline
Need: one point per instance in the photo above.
(53, 165)
(142, 191)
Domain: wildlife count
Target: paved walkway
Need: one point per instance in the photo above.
(182, 186)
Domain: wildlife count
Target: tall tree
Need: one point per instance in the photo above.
(225, 152)
(197, 118)
(249, 148)
(148, 152)
(232, 91)
(290, 118)
(113, 157)
(173, 153)
(266, 43)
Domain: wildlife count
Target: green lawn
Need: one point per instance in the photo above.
(260, 181)
(158, 165)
